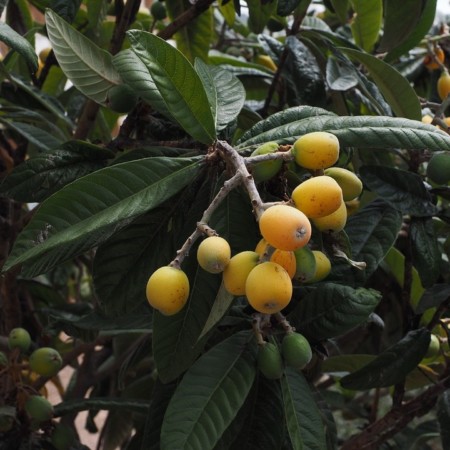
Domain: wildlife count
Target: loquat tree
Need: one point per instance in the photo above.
(227, 223)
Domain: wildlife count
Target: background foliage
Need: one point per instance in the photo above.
(93, 200)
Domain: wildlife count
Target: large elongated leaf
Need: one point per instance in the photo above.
(18, 43)
(303, 417)
(178, 84)
(418, 24)
(392, 365)
(40, 176)
(404, 190)
(359, 131)
(366, 22)
(259, 13)
(432, 297)
(87, 66)
(210, 395)
(396, 89)
(332, 309)
(225, 92)
(87, 211)
(284, 117)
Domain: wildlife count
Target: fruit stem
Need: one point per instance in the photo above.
(256, 325)
(284, 323)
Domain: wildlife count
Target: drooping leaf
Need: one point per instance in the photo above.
(87, 66)
(225, 92)
(425, 250)
(340, 77)
(396, 89)
(443, 415)
(432, 297)
(366, 23)
(418, 24)
(66, 9)
(178, 83)
(40, 176)
(18, 43)
(303, 418)
(101, 403)
(359, 131)
(393, 364)
(215, 388)
(193, 39)
(404, 190)
(330, 310)
(86, 212)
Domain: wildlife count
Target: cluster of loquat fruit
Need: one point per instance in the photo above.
(24, 368)
(265, 275)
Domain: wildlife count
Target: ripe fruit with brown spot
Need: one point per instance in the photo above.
(39, 408)
(430, 62)
(443, 85)
(46, 361)
(168, 290)
(268, 288)
(334, 222)
(349, 182)
(284, 227)
(265, 170)
(269, 361)
(214, 254)
(318, 197)
(317, 150)
(236, 273)
(296, 350)
(19, 338)
(286, 259)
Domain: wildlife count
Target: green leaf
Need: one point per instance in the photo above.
(432, 297)
(366, 23)
(97, 404)
(392, 365)
(330, 310)
(419, 23)
(286, 7)
(193, 39)
(178, 83)
(210, 395)
(281, 118)
(86, 212)
(404, 190)
(42, 139)
(225, 92)
(303, 417)
(40, 176)
(343, 364)
(66, 9)
(135, 73)
(396, 89)
(443, 415)
(425, 250)
(340, 8)
(359, 131)
(87, 66)
(18, 43)
(259, 13)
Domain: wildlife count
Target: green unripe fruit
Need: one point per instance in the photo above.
(121, 98)
(349, 182)
(296, 350)
(269, 361)
(45, 361)
(3, 360)
(158, 11)
(438, 168)
(266, 170)
(39, 408)
(19, 338)
(306, 264)
(63, 437)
